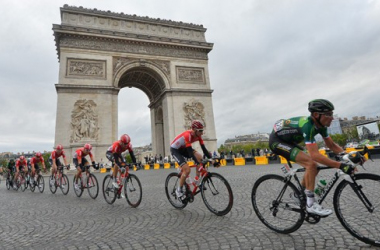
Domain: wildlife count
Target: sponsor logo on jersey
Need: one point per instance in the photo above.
(287, 131)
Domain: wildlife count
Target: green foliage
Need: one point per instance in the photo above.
(247, 147)
(128, 158)
(340, 139)
(352, 134)
(3, 163)
(46, 159)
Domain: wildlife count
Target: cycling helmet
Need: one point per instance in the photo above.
(196, 124)
(38, 154)
(22, 158)
(125, 139)
(320, 105)
(59, 147)
(88, 146)
(11, 160)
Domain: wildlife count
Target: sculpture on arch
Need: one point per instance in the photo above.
(84, 121)
(194, 110)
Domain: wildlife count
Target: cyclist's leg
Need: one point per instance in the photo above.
(199, 159)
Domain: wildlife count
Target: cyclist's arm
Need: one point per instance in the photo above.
(333, 146)
(318, 157)
(205, 151)
(132, 156)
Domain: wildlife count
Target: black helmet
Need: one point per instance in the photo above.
(320, 105)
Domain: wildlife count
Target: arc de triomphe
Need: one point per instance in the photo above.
(101, 52)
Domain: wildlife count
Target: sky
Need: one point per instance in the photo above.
(270, 58)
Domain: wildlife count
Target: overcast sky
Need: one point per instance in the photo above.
(270, 58)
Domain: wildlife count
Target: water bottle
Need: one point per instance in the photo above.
(196, 180)
(285, 169)
(321, 184)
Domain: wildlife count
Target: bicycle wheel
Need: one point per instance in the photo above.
(133, 190)
(52, 187)
(109, 191)
(64, 184)
(281, 213)
(23, 184)
(92, 186)
(351, 211)
(32, 184)
(171, 184)
(8, 184)
(78, 191)
(217, 194)
(41, 183)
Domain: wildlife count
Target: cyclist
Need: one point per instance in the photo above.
(34, 164)
(181, 149)
(21, 165)
(81, 162)
(114, 155)
(11, 170)
(288, 133)
(54, 161)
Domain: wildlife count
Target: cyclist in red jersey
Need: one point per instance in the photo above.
(114, 155)
(80, 161)
(34, 164)
(181, 149)
(21, 165)
(54, 161)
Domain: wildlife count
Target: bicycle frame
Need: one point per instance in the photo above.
(203, 173)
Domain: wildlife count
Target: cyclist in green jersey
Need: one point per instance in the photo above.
(286, 136)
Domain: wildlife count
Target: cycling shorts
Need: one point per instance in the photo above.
(287, 150)
(111, 158)
(84, 161)
(57, 162)
(180, 155)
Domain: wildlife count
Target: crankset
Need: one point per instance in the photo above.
(312, 218)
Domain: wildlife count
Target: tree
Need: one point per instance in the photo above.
(340, 139)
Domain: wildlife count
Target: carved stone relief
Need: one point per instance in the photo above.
(84, 121)
(190, 75)
(85, 68)
(118, 62)
(137, 48)
(193, 110)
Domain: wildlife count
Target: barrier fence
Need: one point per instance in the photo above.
(257, 160)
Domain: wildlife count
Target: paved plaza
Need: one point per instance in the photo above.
(55, 221)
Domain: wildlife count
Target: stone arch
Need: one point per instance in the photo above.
(101, 52)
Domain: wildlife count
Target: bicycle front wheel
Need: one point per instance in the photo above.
(92, 186)
(41, 183)
(171, 184)
(78, 191)
(23, 184)
(133, 190)
(217, 194)
(109, 191)
(8, 184)
(52, 186)
(274, 203)
(64, 184)
(359, 220)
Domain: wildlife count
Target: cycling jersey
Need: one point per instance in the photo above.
(298, 129)
(55, 155)
(118, 149)
(21, 163)
(286, 134)
(185, 140)
(35, 160)
(79, 153)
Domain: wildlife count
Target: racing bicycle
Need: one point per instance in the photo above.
(129, 182)
(280, 203)
(90, 182)
(60, 180)
(215, 190)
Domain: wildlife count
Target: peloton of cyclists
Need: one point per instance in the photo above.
(55, 162)
(288, 133)
(80, 161)
(181, 149)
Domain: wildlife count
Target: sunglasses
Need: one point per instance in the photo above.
(200, 130)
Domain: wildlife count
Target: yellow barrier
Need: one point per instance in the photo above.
(166, 165)
(223, 162)
(156, 166)
(176, 165)
(282, 160)
(239, 161)
(261, 160)
(190, 163)
(103, 170)
(146, 166)
(323, 152)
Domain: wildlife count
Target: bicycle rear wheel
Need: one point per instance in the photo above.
(52, 187)
(8, 184)
(41, 183)
(281, 213)
(353, 214)
(64, 184)
(78, 191)
(133, 190)
(217, 194)
(92, 186)
(109, 191)
(171, 184)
